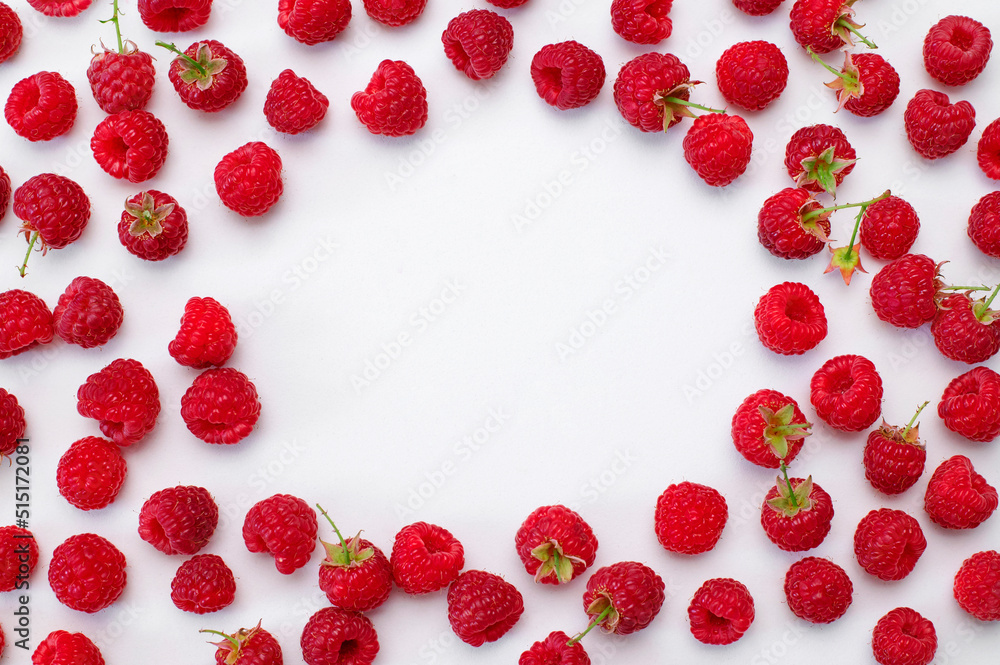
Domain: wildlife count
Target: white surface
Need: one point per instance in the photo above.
(371, 239)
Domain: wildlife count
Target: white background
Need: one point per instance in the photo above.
(537, 219)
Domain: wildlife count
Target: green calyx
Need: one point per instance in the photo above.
(847, 29)
(823, 170)
(200, 71)
(779, 428)
(848, 84)
(674, 107)
(981, 308)
(791, 500)
(847, 259)
(554, 562)
(233, 644)
(346, 553)
(147, 217)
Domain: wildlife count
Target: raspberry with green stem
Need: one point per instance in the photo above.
(202, 71)
(605, 613)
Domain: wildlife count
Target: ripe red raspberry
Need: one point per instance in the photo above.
(124, 398)
(819, 157)
(956, 49)
(293, 105)
(965, 329)
(54, 209)
(203, 584)
(482, 607)
(394, 13)
(970, 405)
(5, 192)
(555, 544)
(91, 473)
(207, 76)
(247, 646)
(757, 7)
(984, 224)
(818, 590)
(567, 75)
(721, 611)
(847, 393)
(988, 150)
(824, 25)
(206, 337)
(642, 21)
(179, 520)
(751, 74)
(977, 585)
(11, 32)
(249, 179)
(63, 648)
(174, 15)
(121, 81)
(643, 85)
(12, 424)
(796, 514)
(957, 497)
(334, 636)
(394, 103)
(87, 573)
(792, 224)
(889, 228)
(934, 126)
(904, 292)
(60, 8)
(904, 637)
(717, 146)
(130, 145)
(768, 428)
(153, 226)
(221, 406)
(789, 319)
(18, 557)
(478, 42)
(425, 558)
(866, 86)
(285, 527)
(689, 518)
(888, 543)
(313, 21)
(25, 322)
(894, 457)
(355, 574)
(628, 594)
(506, 4)
(88, 313)
(555, 650)
(41, 107)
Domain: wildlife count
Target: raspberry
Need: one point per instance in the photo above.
(18, 556)
(313, 21)
(174, 15)
(293, 104)
(796, 514)
(904, 292)
(253, 646)
(824, 25)
(757, 7)
(555, 544)
(60, 8)
(934, 126)
(130, 145)
(629, 595)
(847, 393)
(12, 424)
(818, 590)
(88, 313)
(956, 49)
(207, 76)
(87, 573)
(121, 81)
(203, 584)
(482, 607)
(284, 526)
(819, 157)
(894, 457)
(689, 518)
(768, 428)
(965, 330)
(567, 75)
(249, 179)
(124, 398)
(178, 520)
(970, 405)
(642, 21)
(91, 473)
(555, 650)
(425, 558)
(506, 4)
(478, 42)
(904, 637)
(334, 636)
(25, 323)
(206, 337)
(957, 497)
(977, 585)
(984, 224)
(355, 574)
(751, 74)
(394, 103)
(789, 319)
(153, 226)
(792, 224)
(717, 147)
(394, 13)
(54, 209)
(11, 32)
(988, 150)
(866, 86)
(642, 86)
(721, 611)
(41, 107)
(5, 192)
(221, 406)
(889, 228)
(888, 543)
(63, 648)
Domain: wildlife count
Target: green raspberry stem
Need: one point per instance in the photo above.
(596, 620)
(913, 420)
(229, 638)
(993, 295)
(812, 214)
(343, 543)
(850, 26)
(682, 102)
(788, 482)
(191, 61)
(844, 75)
(23, 270)
(118, 30)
